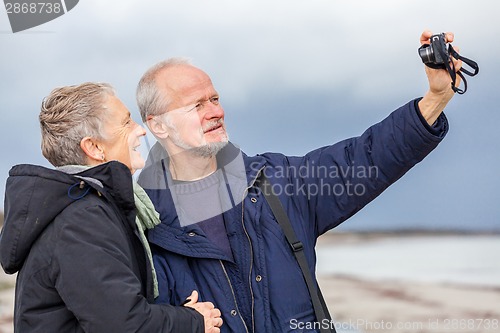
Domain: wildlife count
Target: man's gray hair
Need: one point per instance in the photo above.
(150, 99)
(69, 114)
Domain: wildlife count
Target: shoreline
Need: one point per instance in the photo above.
(335, 237)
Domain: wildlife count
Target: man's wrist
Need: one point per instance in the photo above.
(437, 127)
(432, 105)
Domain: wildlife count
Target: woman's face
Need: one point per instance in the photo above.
(122, 135)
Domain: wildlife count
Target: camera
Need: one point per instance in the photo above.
(435, 53)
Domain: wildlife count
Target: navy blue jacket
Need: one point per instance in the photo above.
(262, 289)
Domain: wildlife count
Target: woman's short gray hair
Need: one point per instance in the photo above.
(69, 114)
(150, 100)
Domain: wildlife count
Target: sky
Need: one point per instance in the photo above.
(292, 75)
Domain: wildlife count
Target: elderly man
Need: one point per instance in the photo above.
(218, 234)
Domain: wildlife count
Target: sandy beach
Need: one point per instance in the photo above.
(7, 283)
(408, 307)
(362, 304)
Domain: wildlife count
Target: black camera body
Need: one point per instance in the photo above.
(435, 54)
(438, 55)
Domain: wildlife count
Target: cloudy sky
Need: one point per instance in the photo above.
(293, 76)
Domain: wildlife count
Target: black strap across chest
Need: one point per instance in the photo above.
(319, 304)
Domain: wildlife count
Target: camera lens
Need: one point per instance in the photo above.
(427, 54)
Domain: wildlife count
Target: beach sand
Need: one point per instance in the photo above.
(367, 305)
(409, 307)
(7, 283)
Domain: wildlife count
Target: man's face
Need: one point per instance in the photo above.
(195, 119)
(122, 135)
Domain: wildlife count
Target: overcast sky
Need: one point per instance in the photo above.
(292, 75)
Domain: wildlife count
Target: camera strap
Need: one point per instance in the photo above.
(451, 68)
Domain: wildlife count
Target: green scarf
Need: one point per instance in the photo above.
(147, 218)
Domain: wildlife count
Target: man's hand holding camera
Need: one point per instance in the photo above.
(443, 66)
(440, 92)
(439, 80)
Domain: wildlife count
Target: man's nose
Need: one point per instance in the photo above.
(213, 111)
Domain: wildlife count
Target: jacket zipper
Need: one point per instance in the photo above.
(251, 262)
(251, 248)
(234, 296)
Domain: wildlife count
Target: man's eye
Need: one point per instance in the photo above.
(214, 100)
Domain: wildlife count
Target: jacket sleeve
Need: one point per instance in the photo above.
(95, 278)
(332, 183)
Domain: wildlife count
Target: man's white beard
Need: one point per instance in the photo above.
(206, 151)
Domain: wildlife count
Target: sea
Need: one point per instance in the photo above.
(456, 259)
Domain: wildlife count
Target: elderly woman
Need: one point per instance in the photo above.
(74, 235)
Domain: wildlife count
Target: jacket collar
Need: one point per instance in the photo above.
(190, 240)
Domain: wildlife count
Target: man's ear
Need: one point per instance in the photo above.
(93, 150)
(157, 127)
